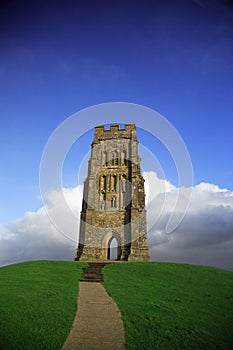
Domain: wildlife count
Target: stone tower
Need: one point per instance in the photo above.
(113, 198)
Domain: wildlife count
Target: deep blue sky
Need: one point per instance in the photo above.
(57, 57)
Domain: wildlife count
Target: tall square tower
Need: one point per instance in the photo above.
(113, 204)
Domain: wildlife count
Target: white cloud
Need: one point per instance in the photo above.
(155, 186)
(205, 235)
(35, 237)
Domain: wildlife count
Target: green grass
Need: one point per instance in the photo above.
(173, 306)
(163, 305)
(38, 302)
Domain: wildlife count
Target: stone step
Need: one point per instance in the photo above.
(92, 273)
(92, 269)
(96, 280)
(92, 279)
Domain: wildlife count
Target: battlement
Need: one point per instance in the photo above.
(115, 131)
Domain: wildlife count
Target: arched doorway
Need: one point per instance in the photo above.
(114, 249)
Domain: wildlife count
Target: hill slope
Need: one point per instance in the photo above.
(164, 305)
(173, 306)
(38, 303)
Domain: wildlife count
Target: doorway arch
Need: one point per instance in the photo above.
(114, 249)
(112, 244)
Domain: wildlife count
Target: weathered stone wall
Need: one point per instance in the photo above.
(114, 198)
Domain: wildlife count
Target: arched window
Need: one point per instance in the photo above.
(103, 183)
(124, 157)
(104, 158)
(113, 202)
(116, 158)
(113, 158)
(102, 201)
(124, 183)
(114, 182)
(113, 185)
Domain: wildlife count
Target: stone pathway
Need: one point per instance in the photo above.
(98, 324)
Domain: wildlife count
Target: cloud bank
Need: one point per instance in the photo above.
(205, 235)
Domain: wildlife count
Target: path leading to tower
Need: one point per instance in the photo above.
(98, 324)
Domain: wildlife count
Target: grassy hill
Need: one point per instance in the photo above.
(163, 305)
(173, 306)
(38, 302)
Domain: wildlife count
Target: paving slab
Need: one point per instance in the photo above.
(98, 324)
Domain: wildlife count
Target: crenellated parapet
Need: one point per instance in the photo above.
(115, 132)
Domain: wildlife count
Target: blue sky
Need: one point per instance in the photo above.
(58, 57)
